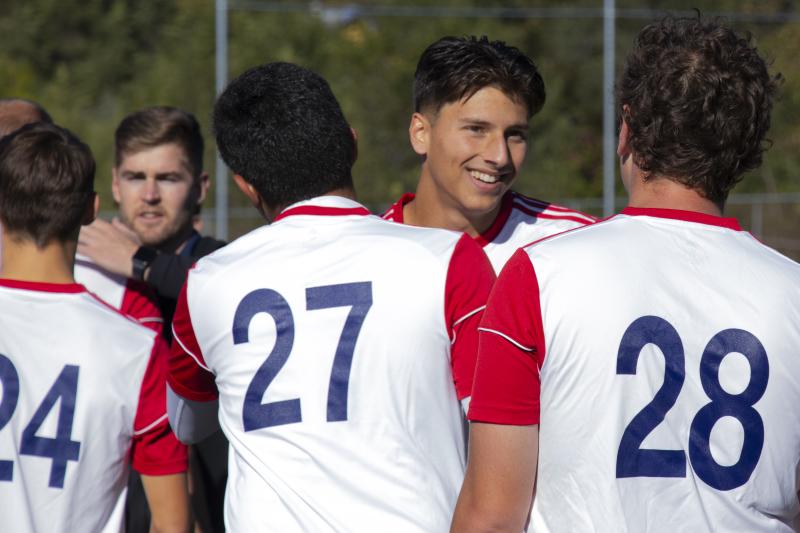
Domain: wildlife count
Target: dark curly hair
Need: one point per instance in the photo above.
(453, 68)
(696, 97)
(280, 127)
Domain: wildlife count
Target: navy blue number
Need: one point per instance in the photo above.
(62, 448)
(738, 406)
(10, 380)
(257, 415)
(632, 461)
(359, 296)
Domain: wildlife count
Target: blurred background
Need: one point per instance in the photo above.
(91, 62)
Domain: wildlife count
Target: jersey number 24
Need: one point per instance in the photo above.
(257, 415)
(61, 448)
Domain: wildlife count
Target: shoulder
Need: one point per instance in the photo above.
(205, 245)
(546, 211)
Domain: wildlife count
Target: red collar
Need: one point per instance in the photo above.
(484, 238)
(322, 211)
(688, 216)
(40, 286)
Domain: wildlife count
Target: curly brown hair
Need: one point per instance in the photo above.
(696, 97)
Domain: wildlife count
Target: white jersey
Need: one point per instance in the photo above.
(668, 345)
(521, 221)
(130, 297)
(334, 339)
(83, 395)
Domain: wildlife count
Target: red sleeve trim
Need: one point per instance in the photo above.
(189, 375)
(139, 302)
(155, 450)
(511, 349)
(470, 277)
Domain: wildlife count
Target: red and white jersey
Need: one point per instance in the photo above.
(659, 352)
(130, 297)
(521, 221)
(83, 396)
(339, 345)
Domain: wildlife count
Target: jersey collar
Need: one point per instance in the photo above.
(506, 205)
(324, 206)
(687, 216)
(40, 286)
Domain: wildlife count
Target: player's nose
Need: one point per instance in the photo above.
(150, 192)
(497, 151)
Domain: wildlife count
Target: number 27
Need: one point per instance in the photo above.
(257, 415)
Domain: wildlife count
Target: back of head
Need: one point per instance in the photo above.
(454, 68)
(696, 97)
(46, 183)
(280, 127)
(155, 126)
(16, 112)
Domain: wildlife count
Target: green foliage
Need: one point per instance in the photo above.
(90, 62)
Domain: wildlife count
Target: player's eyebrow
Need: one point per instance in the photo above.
(524, 126)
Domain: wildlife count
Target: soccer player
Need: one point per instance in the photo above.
(159, 184)
(649, 363)
(337, 344)
(473, 99)
(83, 386)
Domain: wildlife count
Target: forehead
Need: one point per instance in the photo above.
(488, 104)
(169, 157)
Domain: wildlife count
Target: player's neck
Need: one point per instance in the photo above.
(663, 193)
(24, 261)
(432, 208)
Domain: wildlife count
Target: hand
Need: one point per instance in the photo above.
(110, 245)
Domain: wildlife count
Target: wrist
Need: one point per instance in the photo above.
(141, 262)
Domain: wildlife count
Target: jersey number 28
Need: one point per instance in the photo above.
(257, 415)
(633, 461)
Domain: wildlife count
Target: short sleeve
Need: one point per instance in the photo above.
(139, 302)
(511, 349)
(188, 374)
(469, 280)
(155, 450)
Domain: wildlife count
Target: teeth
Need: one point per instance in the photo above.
(486, 178)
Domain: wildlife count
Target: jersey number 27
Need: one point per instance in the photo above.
(257, 415)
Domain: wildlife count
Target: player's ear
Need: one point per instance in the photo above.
(623, 147)
(115, 184)
(203, 184)
(92, 208)
(419, 133)
(354, 133)
(248, 190)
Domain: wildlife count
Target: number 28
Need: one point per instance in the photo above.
(633, 461)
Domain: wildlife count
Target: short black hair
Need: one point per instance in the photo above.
(158, 125)
(46, 183)
(280, 127)
(453, 68)
(697, 98)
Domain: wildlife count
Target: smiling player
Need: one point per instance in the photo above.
(473, 99)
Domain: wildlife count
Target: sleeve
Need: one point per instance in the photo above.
(155, 450)
(469, 280)
(167, 272)
(511, 349)
(139, 302)
(188, 375)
